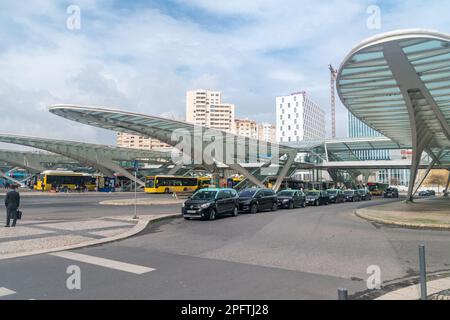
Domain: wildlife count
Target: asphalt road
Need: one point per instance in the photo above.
(288, 254)
(83, 206)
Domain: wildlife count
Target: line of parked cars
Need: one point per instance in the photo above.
(209, 203)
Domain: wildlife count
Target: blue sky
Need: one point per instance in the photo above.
(143, 55)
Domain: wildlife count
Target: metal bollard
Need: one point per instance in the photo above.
(423, 273)
(342, 294)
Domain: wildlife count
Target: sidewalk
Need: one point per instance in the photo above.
(427, 213)
(436, 290)
(32, 237)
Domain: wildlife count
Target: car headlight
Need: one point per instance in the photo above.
(183, 205)
(206, 205)
(286, 200)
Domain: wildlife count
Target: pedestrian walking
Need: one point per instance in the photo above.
(12, 203)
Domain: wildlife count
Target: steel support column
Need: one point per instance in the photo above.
(447, 185)
(284, 171)
(247, 174)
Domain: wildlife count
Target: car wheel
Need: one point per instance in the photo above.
(304, 204)
(254, 208)
(235, 212)
(316, 203)
(274, 206)
(186, 218)
(212, 214)
(291, 205)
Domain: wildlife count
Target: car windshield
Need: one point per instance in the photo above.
(332, 192)
(349, 192)
(150, 183)
(389, 190)
(286, 193)
(362, 191)
(313, 193)
(204, 195)
(247, 193)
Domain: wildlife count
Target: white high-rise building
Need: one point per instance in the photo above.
(299, 118)
(205, 108)
(267, 132)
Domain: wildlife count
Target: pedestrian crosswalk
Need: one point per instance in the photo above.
(107, 263)
(6, 292)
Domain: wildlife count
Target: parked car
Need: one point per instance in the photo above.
(210, 203)
(390, 193)
(256, 199)
(291, 199)
(432, 192)
(336, 195)
(317, 198)
(365, 194)
(352, 196)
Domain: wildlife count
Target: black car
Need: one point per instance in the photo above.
(209, 203)
(291, 199)
(390, 193)
(424, 193)
(365, 194)
(336, 195)
(256, 199)
(352, 196)
(317, 198)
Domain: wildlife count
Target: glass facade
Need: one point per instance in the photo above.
(358, 129)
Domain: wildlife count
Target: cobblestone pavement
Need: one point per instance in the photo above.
(34, 235)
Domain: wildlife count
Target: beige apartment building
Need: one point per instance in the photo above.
(267, 132)
(128, 140)
(246, 128)
(205, 108)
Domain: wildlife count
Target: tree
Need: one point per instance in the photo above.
(436, 178)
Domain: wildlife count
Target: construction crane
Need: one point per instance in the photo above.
(333, 75)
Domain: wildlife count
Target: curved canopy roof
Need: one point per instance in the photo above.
(152, 126)
(399, 84)
(112, 152)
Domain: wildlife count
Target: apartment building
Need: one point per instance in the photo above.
(267, 132)
(205, 108)
(246, 128)
(128, 140)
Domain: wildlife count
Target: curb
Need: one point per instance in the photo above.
(440, 227)
(139, 227)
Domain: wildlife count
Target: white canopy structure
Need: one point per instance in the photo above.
(398, 83)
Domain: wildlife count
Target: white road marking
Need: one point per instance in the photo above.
(107, 263)
(6, 292)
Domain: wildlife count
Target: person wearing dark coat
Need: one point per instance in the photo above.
(12, 203)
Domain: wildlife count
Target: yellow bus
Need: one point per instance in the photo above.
(170, 184)
(56, 180)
